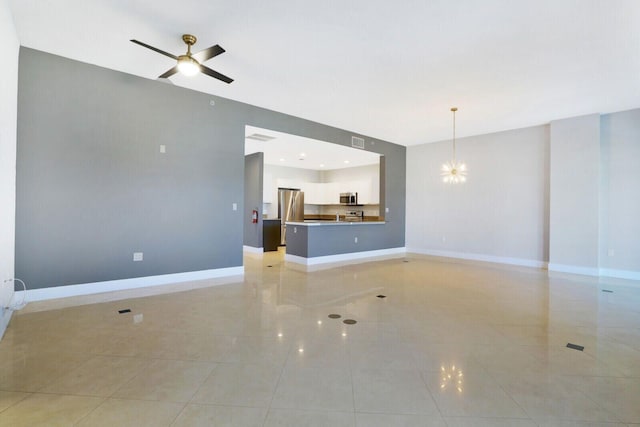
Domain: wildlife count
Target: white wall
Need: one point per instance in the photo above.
(575, 192)
(620, 201)
(9, 47)
(567, 193)
(499, 214)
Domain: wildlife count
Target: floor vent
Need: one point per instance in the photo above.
(126, 310)
(357, 142)
(575, 346)
(607, 290)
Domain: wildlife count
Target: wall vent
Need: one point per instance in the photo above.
(357, 142)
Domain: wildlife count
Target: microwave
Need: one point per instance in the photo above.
(348, 198)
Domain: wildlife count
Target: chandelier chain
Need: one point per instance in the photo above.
(454, 134)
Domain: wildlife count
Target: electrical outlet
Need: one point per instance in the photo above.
(386, 210)
(234, 206)
(138, 256)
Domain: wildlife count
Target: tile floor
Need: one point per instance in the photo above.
(452, 344)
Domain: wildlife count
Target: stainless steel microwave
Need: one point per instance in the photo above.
(348, 198)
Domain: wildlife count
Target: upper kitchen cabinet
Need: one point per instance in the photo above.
(312, 193)
(267, 188)
(364, 190)
(328, 193)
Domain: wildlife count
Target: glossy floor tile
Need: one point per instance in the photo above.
(450, 344)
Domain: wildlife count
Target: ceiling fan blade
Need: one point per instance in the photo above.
(215, 74)
(208, 53)
(155, 49)
(169, 73)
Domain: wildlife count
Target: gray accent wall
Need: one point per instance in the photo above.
(93, 187)
(253, 182)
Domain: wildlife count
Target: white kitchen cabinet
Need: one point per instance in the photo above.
(375, 192)
(289, 183)
(331, 193)
(363, 188)
(267, 188)
(320, 193)
(312, 193)
(328, 193)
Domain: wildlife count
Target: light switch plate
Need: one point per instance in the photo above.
(163, 148)
(138, 256)
(234, 206)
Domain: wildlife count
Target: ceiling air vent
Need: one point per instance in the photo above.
(357, 142)
(260, 137)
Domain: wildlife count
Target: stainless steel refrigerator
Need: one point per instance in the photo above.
(290, 208)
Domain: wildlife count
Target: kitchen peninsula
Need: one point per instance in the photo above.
(317, 242)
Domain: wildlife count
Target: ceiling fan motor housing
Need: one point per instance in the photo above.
(189, 39)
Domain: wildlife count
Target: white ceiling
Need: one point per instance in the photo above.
(389, 70)
(305, 153)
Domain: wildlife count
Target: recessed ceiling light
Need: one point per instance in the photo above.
(321, 165)
(302, 154)
(282, 160)
(346, 162)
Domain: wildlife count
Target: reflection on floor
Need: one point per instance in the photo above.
(451, 344)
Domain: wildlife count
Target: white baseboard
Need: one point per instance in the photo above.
(252, 249)
(480, 257)
(620, 274)
(574, 269)
(345, 257)
(124, 284)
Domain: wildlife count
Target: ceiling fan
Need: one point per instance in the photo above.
(190, 63)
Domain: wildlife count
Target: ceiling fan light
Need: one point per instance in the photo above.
(188, 66)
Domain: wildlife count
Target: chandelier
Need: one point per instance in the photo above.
(454, 172)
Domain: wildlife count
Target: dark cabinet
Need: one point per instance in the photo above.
(270, 234)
